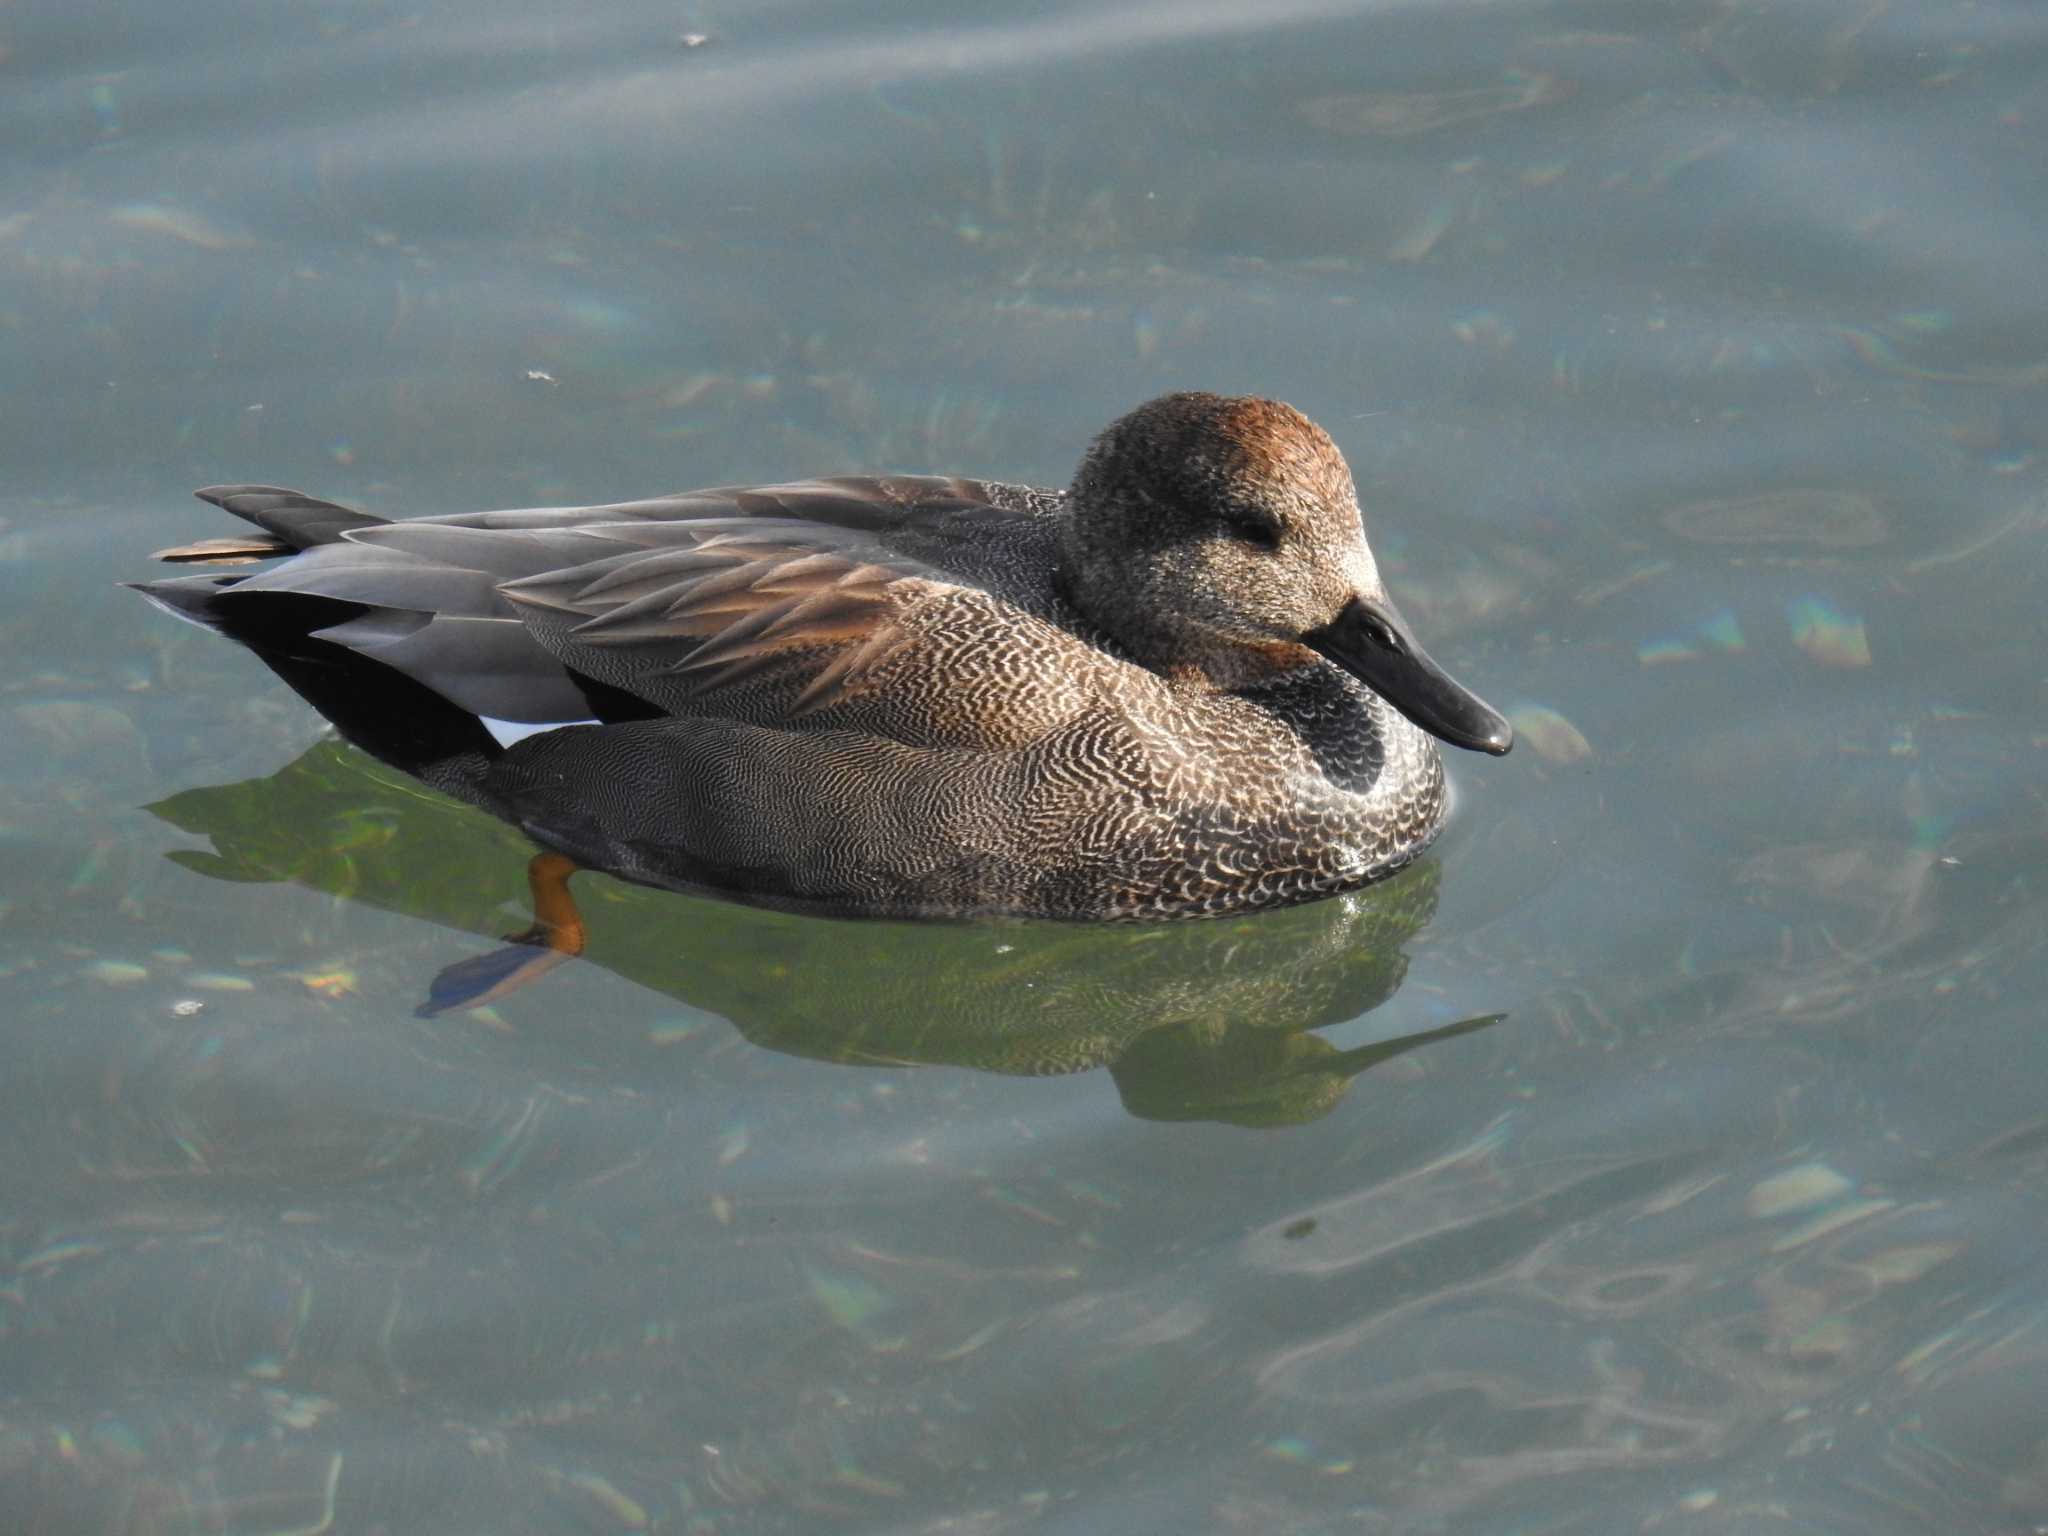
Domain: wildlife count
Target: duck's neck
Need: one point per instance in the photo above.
(1237, 668)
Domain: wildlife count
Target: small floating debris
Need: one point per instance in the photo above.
(1719, 632)
(219, 981)
(1828, 636)
(1901, 1266)
(1549, 735)
(1829, 1339)
(1822, 519)
(1403, 114)
(1010, 1200)
(1878, 352)
(1689, 156)
(971, 1343)
(178, 223)
(1655, 653)
(1296, 1451)
(851, 1300)
(619, 1505)
(1830, 1222)
(1797, 1189)
(1092, 1194)
(1484, 328)
(59, 1253)
(1421, 237)
(298, 1411)
(691, 390)
(187, 1008)
(1722, 632)
(1635, 576)
(333, 984)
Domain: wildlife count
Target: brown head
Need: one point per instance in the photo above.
(1222, 536)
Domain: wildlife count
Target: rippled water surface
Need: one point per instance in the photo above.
(1666, 1151)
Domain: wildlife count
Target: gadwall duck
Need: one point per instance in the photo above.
(1177, 688)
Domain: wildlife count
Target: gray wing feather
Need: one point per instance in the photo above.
(299, 520)
(385, 578)
(488, 666)
(504, 554)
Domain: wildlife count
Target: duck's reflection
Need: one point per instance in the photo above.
(1194, 1020)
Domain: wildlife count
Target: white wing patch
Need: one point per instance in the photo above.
(508, 733)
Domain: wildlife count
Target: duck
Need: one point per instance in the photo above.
(1176, 688)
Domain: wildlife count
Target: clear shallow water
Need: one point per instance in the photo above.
(1692, 364)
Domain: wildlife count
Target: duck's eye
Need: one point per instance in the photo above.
(1382, 634)
(1255, 528)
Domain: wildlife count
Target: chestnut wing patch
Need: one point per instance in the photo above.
(712, 603)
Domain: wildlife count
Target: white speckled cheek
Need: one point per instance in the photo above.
(1361, 568)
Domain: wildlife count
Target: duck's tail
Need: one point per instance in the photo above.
(377, 707)
(288, 522)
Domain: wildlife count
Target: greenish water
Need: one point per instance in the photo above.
(1667, 1151)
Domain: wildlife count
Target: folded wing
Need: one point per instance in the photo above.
(768, 603)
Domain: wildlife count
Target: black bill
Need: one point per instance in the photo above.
(1372, 642)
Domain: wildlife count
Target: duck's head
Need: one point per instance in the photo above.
(1223, 536)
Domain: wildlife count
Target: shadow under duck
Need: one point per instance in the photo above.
(1177, 688)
